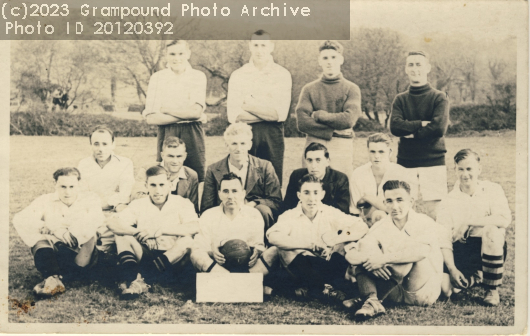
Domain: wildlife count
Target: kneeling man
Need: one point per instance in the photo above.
(231, 220)
(299, 235)
(153, 234)
(400, 258)
(476, 215)
(61, 229)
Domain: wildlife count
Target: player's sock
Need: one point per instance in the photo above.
(46, 262)
(492, 269)
(370, 286)
(162, 263)
(128, 266)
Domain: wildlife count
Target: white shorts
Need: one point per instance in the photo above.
(432, 182)
(425, 296)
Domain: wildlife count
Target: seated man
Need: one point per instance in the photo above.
(367, 181)
(231, 220)
(299, 235)
(476, 215)
(153, 235)
(108, 175)
(399, 258)
(61, 228)
(184, 180)
(258, 177)
(335, 183)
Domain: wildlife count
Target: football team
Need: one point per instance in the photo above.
(337, 227)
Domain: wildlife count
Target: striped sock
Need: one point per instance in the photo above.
(492, 268)
(162, 263)
(128, 265)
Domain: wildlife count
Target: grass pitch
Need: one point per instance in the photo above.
(34, 159)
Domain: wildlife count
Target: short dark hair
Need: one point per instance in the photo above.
(464, 154)
(260, 32)
(101, 129)
(308, 178)
(417, 52)
(67, 171)
(315, 146)
(229, 177)
(395, 184)
(177, 41)
(155, 171)
(332, 45)
(172, 142)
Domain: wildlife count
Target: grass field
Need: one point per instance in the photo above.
(34, 159)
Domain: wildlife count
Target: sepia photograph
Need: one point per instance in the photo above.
(363, 178)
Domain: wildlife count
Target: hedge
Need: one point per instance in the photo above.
(464, 119)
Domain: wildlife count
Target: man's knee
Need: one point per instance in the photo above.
(200, 260)
(493, 239)
(271, 255)
(42, 244)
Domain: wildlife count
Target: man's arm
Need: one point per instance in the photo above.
(399, 126)
(194, 192)
(272, 196)
(161, 119)
(235, 99)
(306, 123)
(457, 278)
(342, 195)
(279, 235)
(248, 118)
(209, 195)
(188, 219)
(501, 215)
(347, 118)
(189, 112)
(437, 127)
(29, 221)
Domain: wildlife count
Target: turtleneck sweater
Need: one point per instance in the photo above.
(336, 103)
(409, 109)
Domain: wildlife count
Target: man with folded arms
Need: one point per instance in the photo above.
(300, 235)
(329, 107)
(153, 235)
(60, 228)
(259, 94)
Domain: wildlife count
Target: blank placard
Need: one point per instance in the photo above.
(229, 287)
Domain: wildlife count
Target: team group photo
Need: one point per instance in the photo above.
(369, 181)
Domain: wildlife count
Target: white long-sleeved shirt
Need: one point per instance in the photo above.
(419, 227)
(171, 90)
(216, 228)
(82, 218)
(363, 182)
(297, 226)
(143, 214)
(113, 183)
(271, 86)
(459, 208)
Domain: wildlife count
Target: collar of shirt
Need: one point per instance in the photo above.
(186, 70)
(298, 212)
(181, 176)
(238, 172)
(251, 67)
(457, 193)
(113, 158)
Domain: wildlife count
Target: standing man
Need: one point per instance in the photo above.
(60, 228)
(420, 116)
(259, 94)
(329, 107)
(232, 219)
(153, 235)
(335, 183)
(176, 101)
(476, 214)
(399, 258)
(259, 180)
(184, 180)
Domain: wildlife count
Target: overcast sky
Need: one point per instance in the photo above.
(495, 19)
